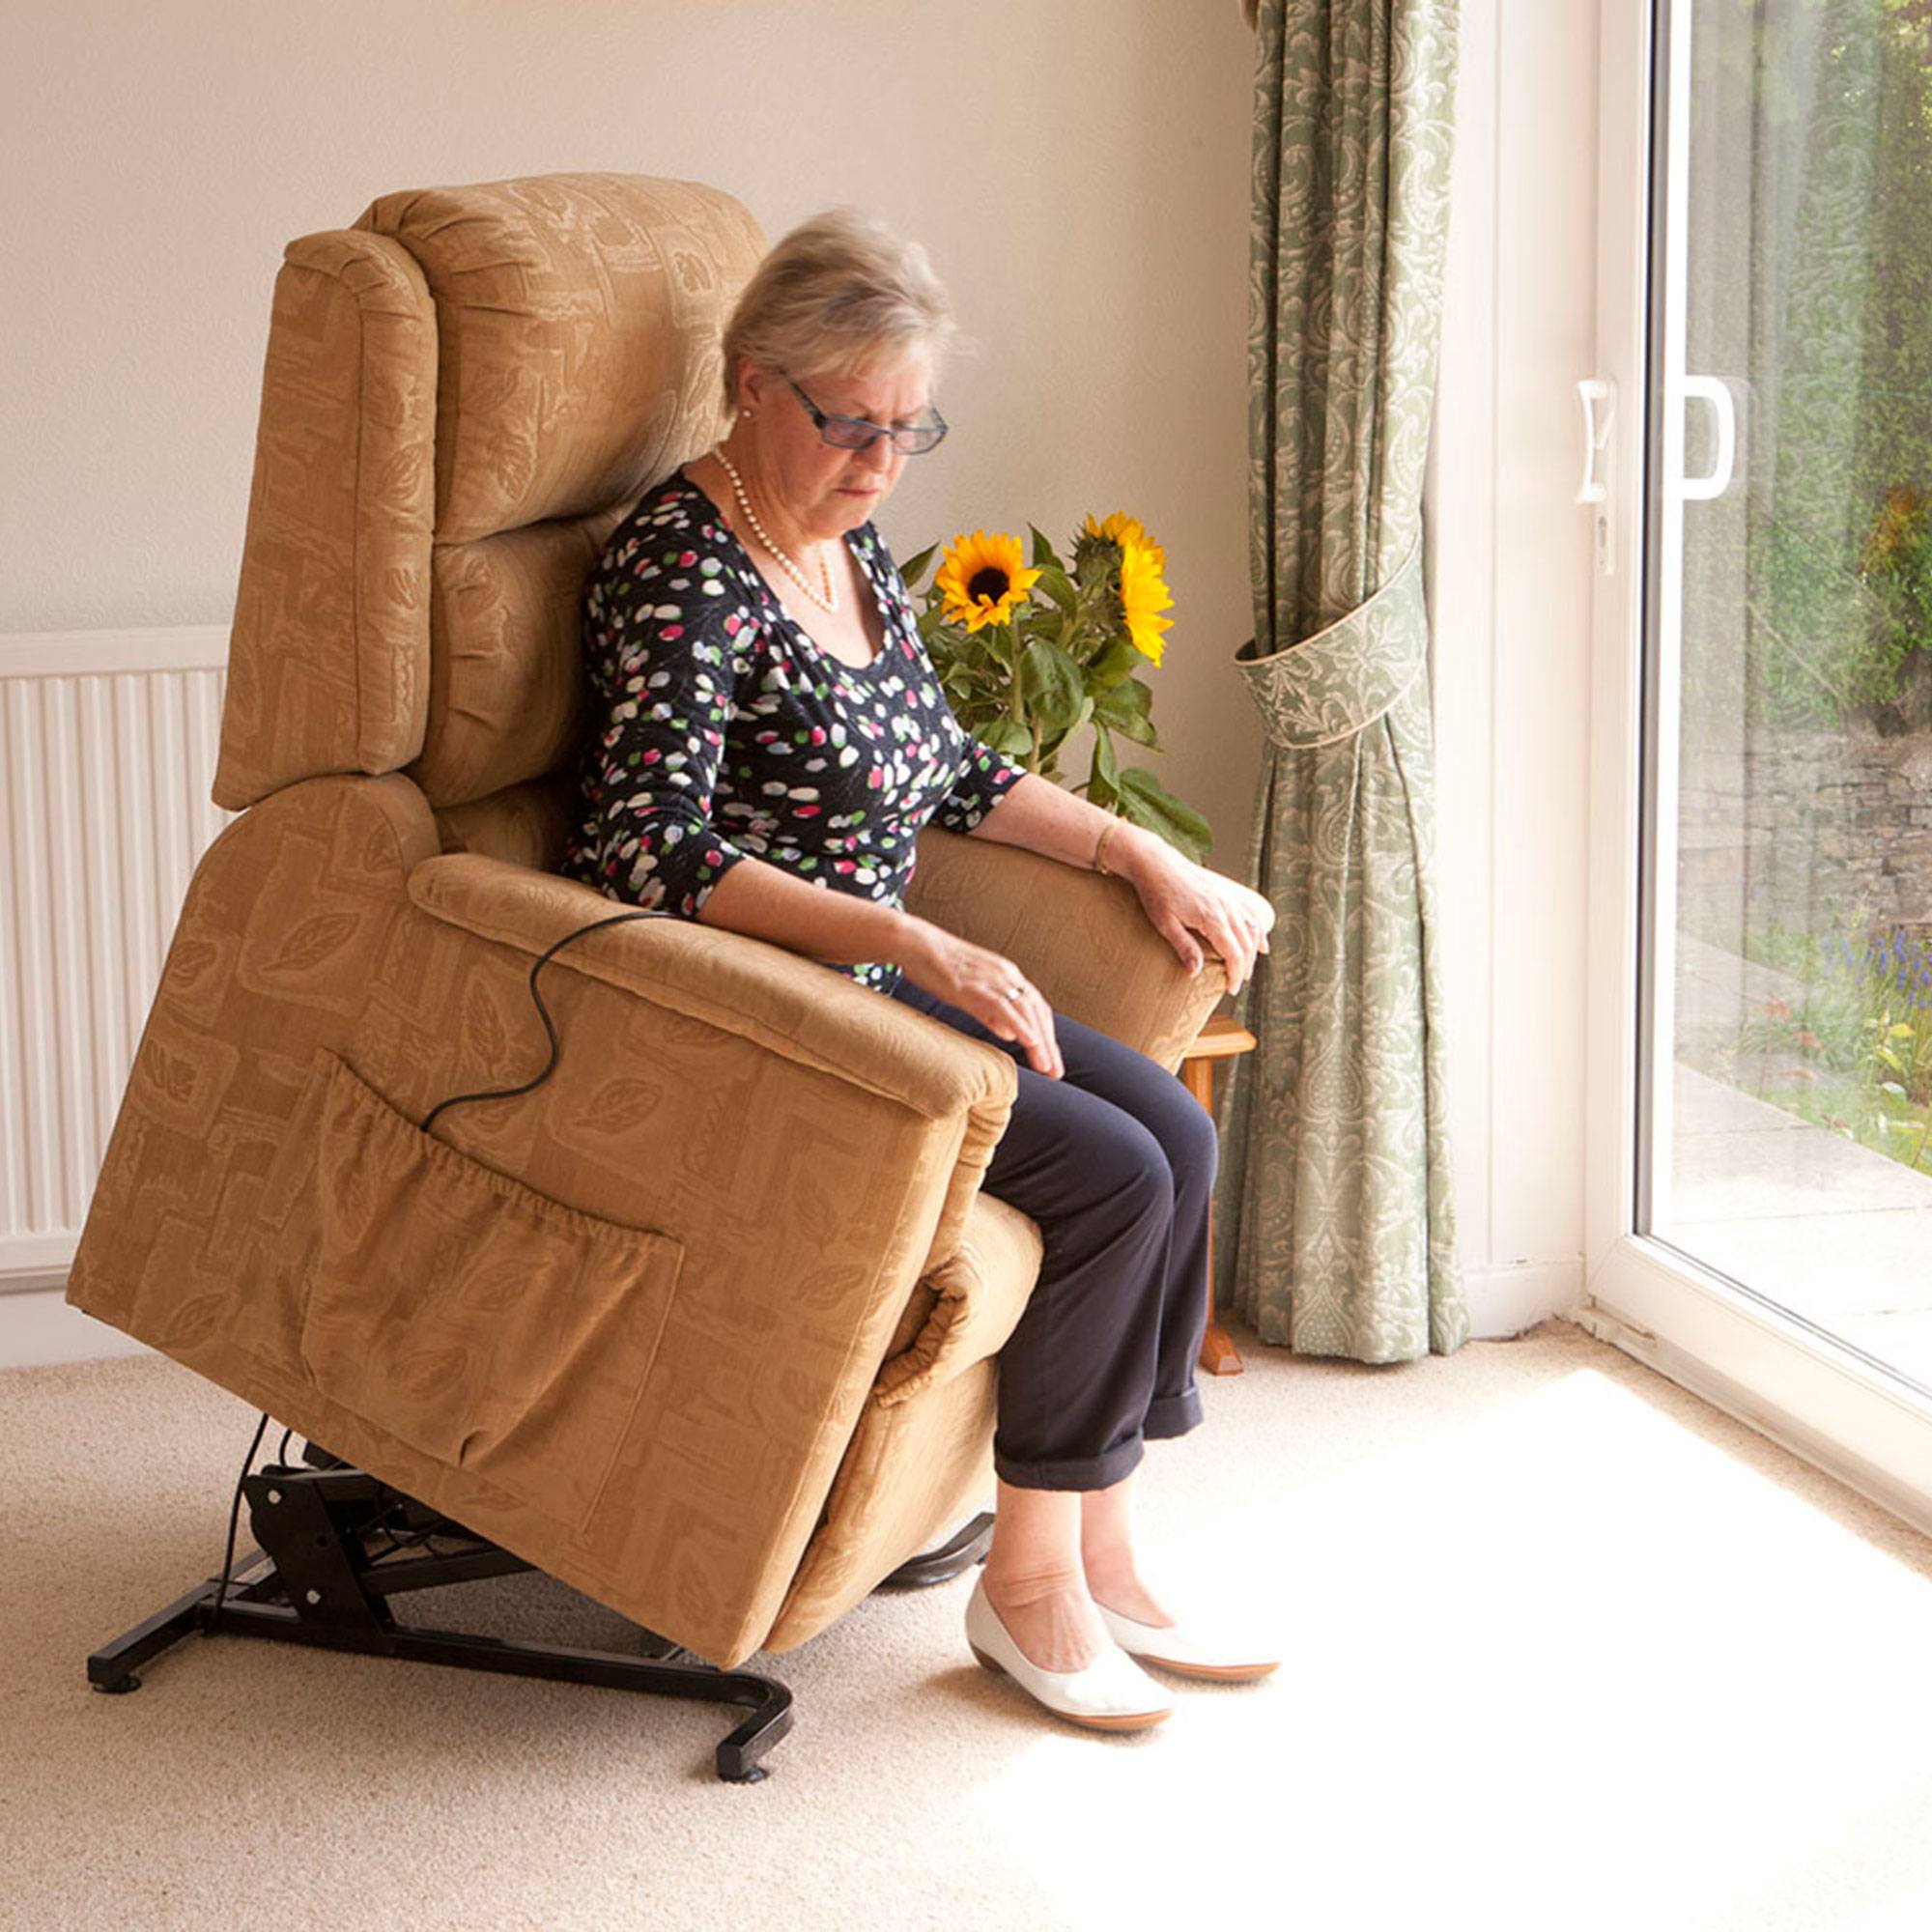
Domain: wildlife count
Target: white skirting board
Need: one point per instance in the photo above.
(38, 1329)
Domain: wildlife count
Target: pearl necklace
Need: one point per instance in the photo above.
(829, 600)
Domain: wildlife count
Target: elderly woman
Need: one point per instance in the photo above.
(774, 728)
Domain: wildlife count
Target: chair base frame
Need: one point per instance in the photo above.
(316, 1580)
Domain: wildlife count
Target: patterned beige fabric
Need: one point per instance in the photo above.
(912, 1472)
(578, 318)
(488, 1326)
(526, 824)
(787, 1003)
(328, 659)
(1118, 975)
(513, 361)
(966, 1307)
(506, 680)
(702, 1325)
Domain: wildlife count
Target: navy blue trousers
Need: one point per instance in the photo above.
(1115, 1162)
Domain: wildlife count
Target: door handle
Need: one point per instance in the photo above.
(1590, 391)
(1716, 391)
(1598, 395)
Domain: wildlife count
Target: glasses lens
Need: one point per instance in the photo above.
(847, 433)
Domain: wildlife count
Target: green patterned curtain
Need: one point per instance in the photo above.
(1334, 1221)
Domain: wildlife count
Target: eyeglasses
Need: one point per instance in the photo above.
(855, 433)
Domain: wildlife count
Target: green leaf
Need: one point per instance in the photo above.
(914, 566)
(1123, 708)
(1059, 587)
(1043, 552)
(1116, 662)
(1153, 806)
(1051, 686)
(1098, 791)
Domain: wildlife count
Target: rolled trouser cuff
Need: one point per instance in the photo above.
(1074, 1472)
(1170, 1415)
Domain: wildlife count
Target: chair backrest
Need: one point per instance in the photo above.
(463, 393)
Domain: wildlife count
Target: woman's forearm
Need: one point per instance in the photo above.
(842, 929)
(769, 902)
(1045, 817)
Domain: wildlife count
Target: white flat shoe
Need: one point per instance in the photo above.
(1192, 1653)
(1112, 1694)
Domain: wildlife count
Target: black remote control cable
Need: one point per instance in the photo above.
(509, 1092)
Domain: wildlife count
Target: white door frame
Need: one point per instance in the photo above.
(1786, 1379)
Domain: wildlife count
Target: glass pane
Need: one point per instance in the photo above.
(1792, 1151)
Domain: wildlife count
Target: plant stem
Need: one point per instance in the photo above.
(1016, 703)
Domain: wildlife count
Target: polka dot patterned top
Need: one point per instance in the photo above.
(721, 731)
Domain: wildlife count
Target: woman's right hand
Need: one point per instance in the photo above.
(989, 987)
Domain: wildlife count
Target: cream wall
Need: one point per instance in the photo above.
(1078, 171)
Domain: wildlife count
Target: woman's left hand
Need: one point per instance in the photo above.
(1183, 899)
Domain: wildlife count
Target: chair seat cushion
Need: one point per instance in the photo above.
(965, 1310)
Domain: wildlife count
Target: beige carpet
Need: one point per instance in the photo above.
(1569, 1650)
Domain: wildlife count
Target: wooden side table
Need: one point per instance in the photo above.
(1222, 1037)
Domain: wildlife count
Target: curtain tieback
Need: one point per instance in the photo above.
(1336, 682)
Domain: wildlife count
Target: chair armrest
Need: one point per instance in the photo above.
(761, 993)
(748, 986)
(1082, 937)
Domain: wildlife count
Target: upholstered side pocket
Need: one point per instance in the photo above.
(481, 1323)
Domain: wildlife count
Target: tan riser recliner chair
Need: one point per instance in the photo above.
(703, 1323)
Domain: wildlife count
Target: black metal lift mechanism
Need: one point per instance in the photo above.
(316, 1580)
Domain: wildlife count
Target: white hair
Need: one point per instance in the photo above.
(839, 292)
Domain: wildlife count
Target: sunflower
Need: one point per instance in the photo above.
(1119, 526)
(1142, 596)
(982, 579)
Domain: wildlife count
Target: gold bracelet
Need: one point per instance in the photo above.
(1100, 845)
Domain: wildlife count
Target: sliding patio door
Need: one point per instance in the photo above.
(1758, 452)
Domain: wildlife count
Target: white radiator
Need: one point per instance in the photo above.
(107, 750)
